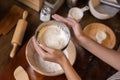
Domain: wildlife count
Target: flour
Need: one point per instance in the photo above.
(76, 13)
(100, 36)
(50, 66)
(53, 37)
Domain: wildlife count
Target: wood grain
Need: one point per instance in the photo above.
(34, 4)
(10, 19)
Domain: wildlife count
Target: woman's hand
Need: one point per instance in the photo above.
(49, 54)
(56, 56)
(71, 23)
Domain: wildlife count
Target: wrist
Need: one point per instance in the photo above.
(81, 38)
(63, 62)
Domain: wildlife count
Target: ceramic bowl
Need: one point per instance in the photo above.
(94, 3)
(77, 13)
(36, 62)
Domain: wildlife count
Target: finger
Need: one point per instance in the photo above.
(60, 18)
(46, 48)
(38, 48)
(74, 23)
(57, 17)
(71, 19)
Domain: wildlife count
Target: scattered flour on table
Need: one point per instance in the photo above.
(51, 66)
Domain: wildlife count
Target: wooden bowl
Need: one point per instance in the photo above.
(36, 62)
(91, 30)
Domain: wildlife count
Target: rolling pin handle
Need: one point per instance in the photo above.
(12, 54)
(25, 14)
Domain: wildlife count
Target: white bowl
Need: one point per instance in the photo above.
(36, 62)
(92, 4)
(75, 13)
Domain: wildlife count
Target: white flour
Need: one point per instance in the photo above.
(50, 66)
(52, 36)
(100, 36)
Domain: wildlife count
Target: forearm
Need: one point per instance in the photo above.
(109, 56)
(69, 71)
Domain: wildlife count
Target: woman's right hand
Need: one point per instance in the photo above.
(49, 54)
(72, 24)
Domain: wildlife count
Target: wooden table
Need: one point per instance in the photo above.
(86, 65)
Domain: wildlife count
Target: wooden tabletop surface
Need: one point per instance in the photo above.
(86, 65)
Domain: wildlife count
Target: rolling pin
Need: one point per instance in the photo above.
(19, 33)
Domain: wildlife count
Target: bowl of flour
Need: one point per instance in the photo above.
(53, 34)
(45, 67)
